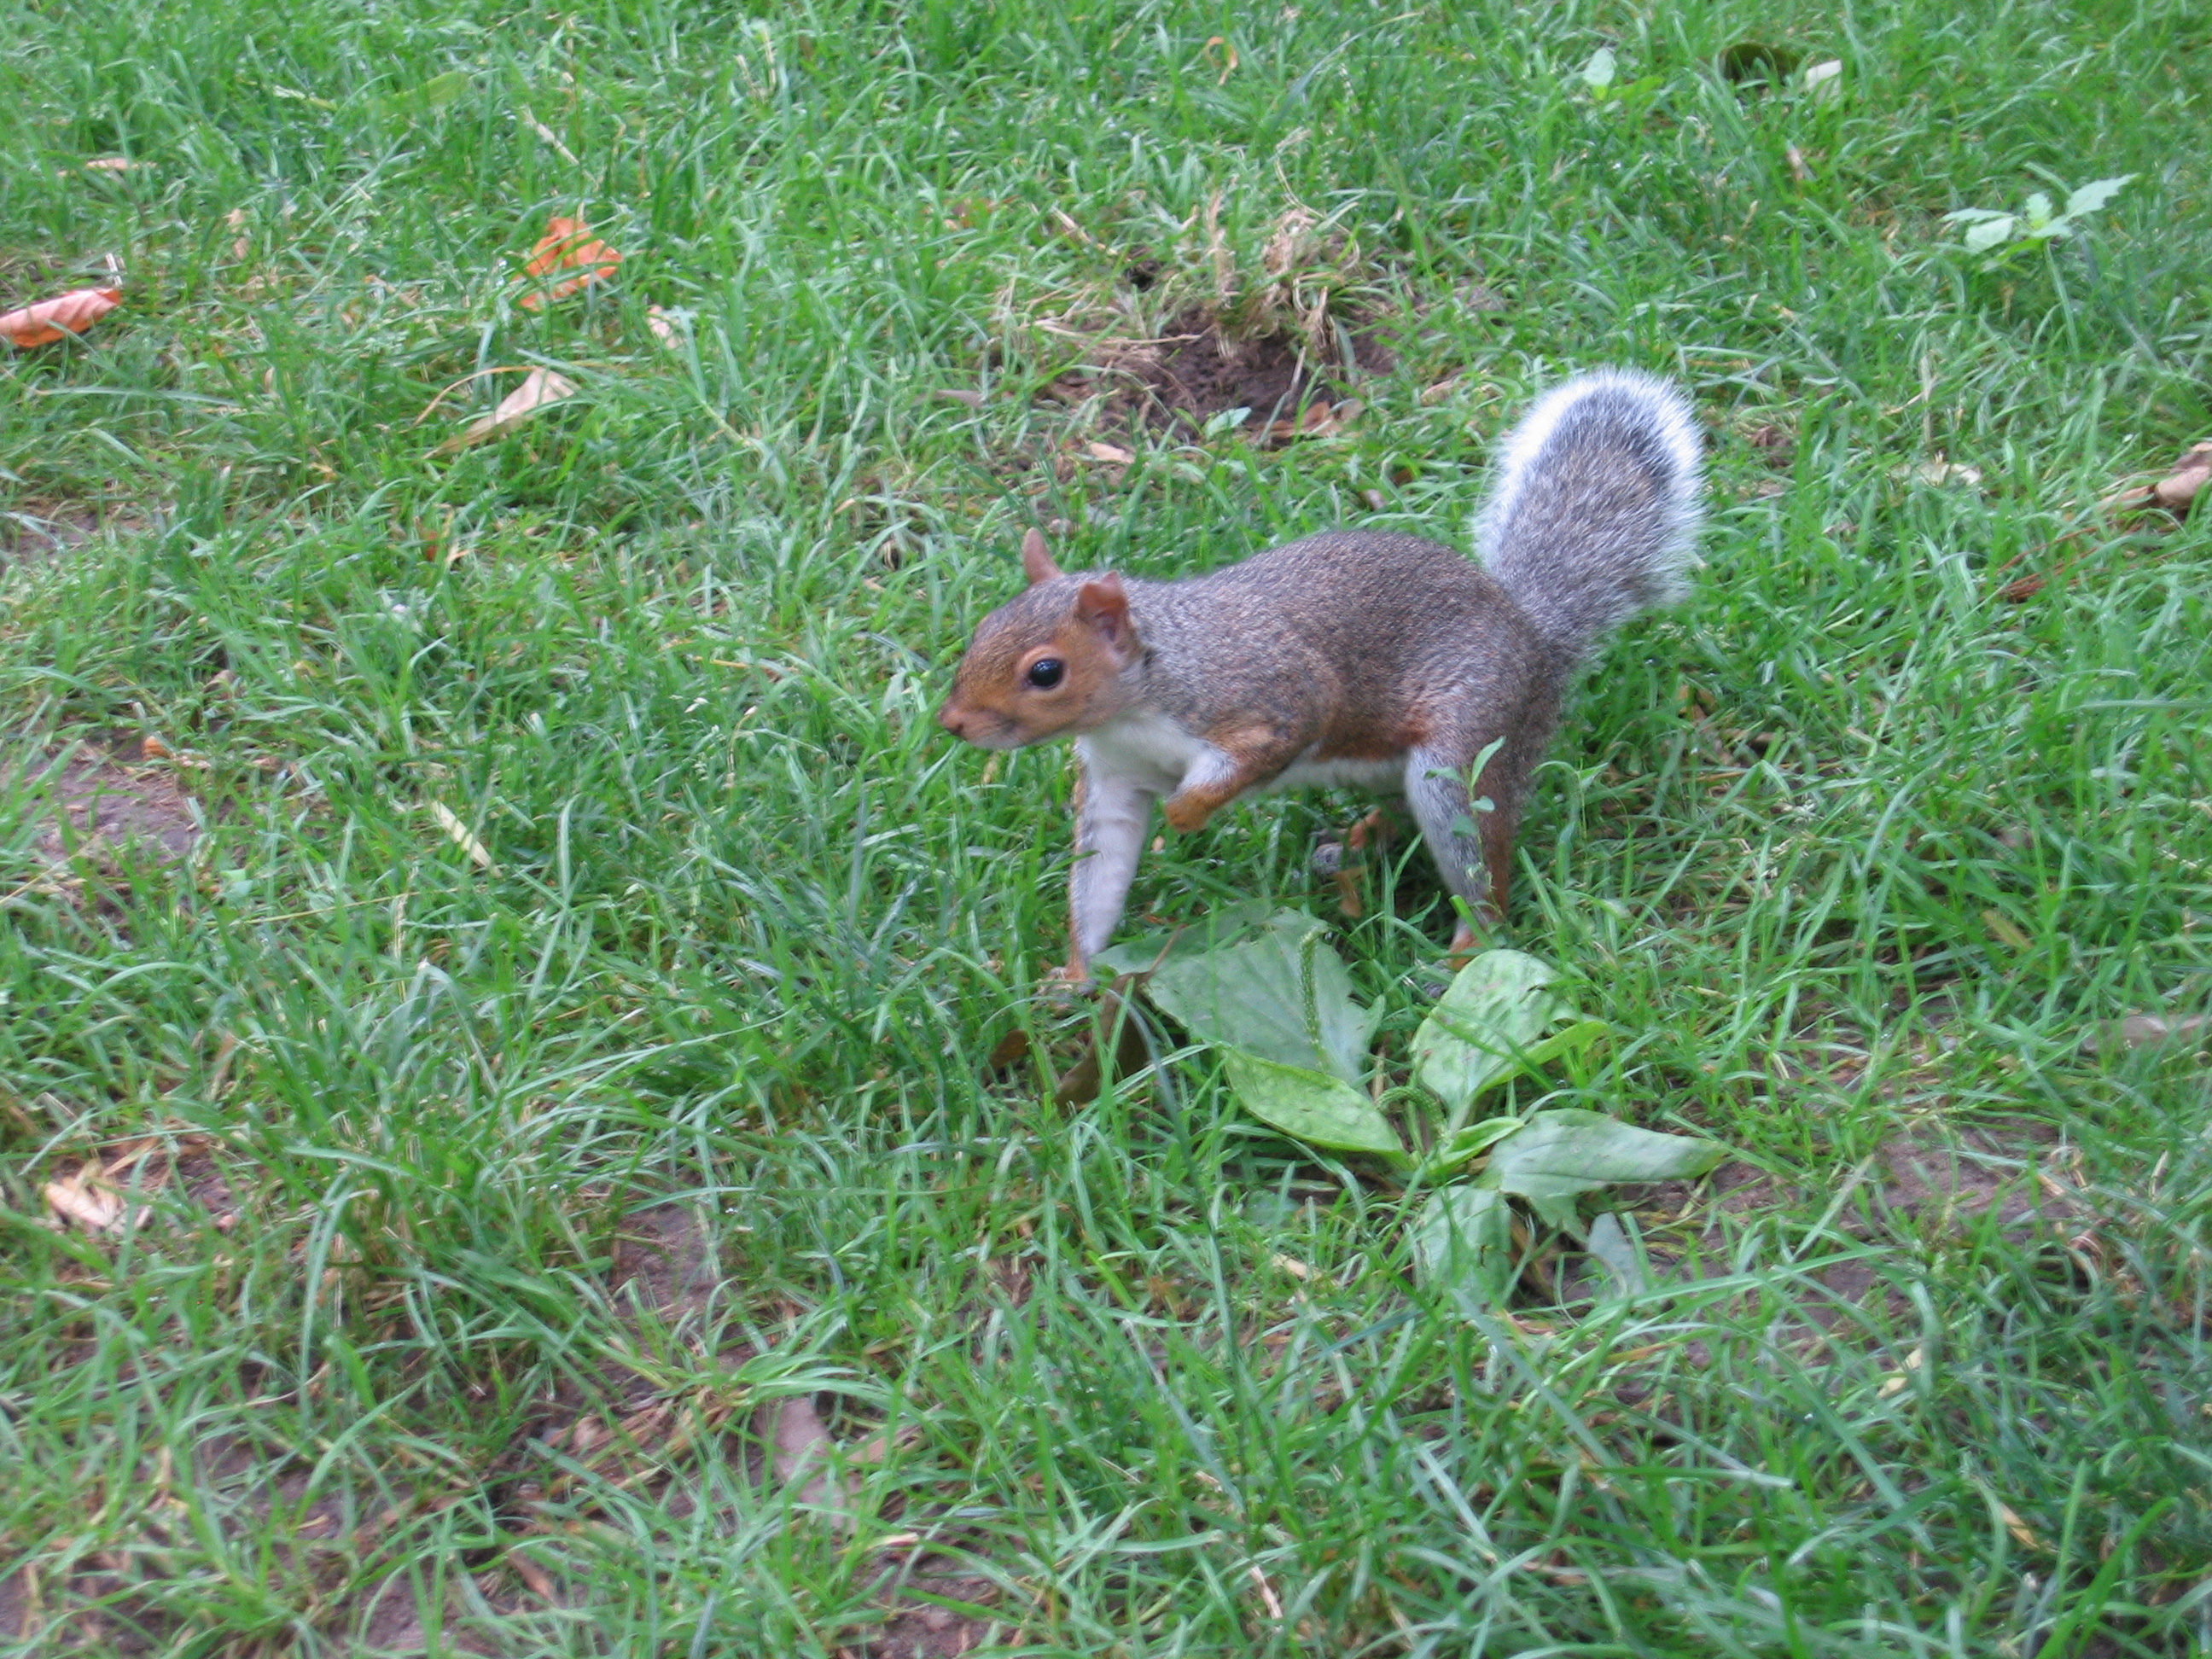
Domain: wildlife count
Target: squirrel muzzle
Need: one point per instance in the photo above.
(1050, 663)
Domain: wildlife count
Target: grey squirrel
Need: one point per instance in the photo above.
(1351, 657)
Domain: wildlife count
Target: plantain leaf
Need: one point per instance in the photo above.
(2095, 194)
(1462, 1240)
(1988, 232)
(1468, 1143)
(1310, 1105)
(1561, 1154)
(1272, 988)
(1617, 1253)
(1489, 1025)
(1232, 924)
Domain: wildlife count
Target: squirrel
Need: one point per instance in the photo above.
(1353, 657)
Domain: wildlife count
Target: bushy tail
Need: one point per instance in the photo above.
(1596, 505)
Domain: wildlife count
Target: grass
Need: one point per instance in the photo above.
(1849, 852)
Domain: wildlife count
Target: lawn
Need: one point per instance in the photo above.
(532, 1120)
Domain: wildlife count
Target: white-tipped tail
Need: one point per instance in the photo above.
(1596, 505)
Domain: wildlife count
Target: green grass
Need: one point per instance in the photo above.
(752, 923)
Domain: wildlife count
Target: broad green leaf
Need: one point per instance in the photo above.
(1465, 1143)
(1462, 1240)
(2095, 194)
(1484, 1026)
(1276, 991)
(1988, 233)
(1560, 1210)
(1310, 1105)
(1597, 74)
(2038, 210)
(1560, 1154)
(1232, 924)
(1609, 1242)
(1568, 1040)
(435, 93)
(1973, 216)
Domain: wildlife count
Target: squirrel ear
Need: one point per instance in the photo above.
(1036, 558)
(1102, 605)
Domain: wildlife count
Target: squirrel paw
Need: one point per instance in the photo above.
(1067, 983)
(1185, 813)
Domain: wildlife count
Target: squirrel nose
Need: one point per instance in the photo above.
(951, 720)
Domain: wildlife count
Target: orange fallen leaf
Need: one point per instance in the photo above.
(568, 244)
(664, 328)
(49, 320)
(540, 387)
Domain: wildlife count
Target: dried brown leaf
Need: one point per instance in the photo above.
(802, 1448)
(539, 388)
(86, 1198)
(2175, 492)
(1941, 472)
(2147, 1031)
(65, 313)
(462, 837)
(2023, 1534)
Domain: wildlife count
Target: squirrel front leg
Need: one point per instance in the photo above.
(1111, 812)
(1230, 764)
(1471, 841)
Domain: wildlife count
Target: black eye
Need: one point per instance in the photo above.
(1047, 673)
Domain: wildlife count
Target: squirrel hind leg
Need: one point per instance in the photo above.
(1470, 840)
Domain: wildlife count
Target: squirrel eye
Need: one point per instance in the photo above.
(1047, 673)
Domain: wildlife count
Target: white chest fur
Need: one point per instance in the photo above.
(1149, 752)
(1144, 749)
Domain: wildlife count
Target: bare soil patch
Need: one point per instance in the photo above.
(1934, 1180)
(936, 1612)
(665, 1261)
(395, 1627)
(99, 808)
(47, 530)
(1927, 1181)
(1196, 370)
(16, 1606)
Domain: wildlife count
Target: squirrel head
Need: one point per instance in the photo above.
(1050, 662)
